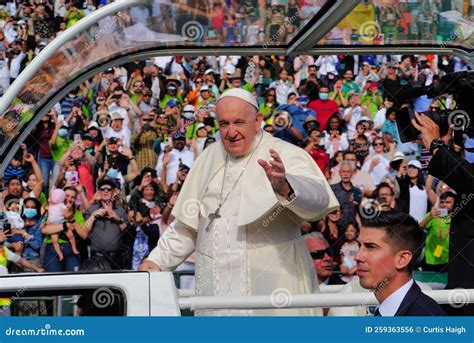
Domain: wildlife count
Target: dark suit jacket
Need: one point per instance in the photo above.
(416, 303)
(459, 175)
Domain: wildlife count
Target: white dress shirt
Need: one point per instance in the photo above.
(390, 306)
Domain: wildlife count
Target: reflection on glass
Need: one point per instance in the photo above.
(381, 22)
(158, 23)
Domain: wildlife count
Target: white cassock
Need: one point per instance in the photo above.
(255, 247)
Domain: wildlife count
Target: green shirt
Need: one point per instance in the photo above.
(372, 103)
(437, 240)
(59, 149)
(78, 217)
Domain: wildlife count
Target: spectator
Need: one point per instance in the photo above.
(322, 254)
(106, 219)
(324, 107)
(353, 113)
(314, 148)
(438, 223)
(175, 155)
(349, 197)
(282, 87)
(335, 140)
(348, 251)
(376, 164)
(349, 86)
(413, 194)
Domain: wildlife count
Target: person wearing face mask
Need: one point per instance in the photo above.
(32, 231)
(324, 107)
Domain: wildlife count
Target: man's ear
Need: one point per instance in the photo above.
(259, 120)
(403, 259)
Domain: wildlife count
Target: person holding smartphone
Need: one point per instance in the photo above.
(438, 223)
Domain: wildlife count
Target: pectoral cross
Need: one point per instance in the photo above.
(212, 217)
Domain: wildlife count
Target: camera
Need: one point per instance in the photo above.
(460, 84)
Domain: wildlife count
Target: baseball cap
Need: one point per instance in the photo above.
(204, 88)
(364, 118)
(208, 71)
(106, 182)
(366, 64)
(200, 126)
(88, 137)
(179, 135)
(116, 115)
(415, 163)
(172, 103)
(113, 140)
(189, 108)
(93, 125)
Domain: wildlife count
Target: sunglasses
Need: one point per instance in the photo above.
(146, 94)
(319, 254)
(198, 82)
(375, 144)
(106, 189)
(148, 119)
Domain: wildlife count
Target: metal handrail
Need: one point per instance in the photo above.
(311, 300)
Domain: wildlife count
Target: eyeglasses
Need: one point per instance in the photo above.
(106, 189)
(375, 144)
(146, 94)
(198, 82)
(319, 254)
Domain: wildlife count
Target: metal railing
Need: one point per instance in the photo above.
(310, 300)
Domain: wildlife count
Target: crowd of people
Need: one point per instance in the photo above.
(94, 184)
(96, 180)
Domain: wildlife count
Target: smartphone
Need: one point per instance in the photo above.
(77, 138)
(7, 228)
(72, 175)
(383, 200)
(407, 131)
(443, 213)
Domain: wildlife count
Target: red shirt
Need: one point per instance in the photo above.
(321, 159)
(323, 109)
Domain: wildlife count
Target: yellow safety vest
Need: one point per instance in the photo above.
(3, 262)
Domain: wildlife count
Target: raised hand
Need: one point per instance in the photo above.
(275, 171)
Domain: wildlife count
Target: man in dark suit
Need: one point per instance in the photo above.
(389, 246)
(448, 166)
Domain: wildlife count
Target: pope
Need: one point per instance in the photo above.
(240, 210)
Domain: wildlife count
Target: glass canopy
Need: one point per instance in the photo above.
(154, 24)
(414, 22)
(128, 27)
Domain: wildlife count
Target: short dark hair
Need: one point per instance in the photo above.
(348, 152)
(403, 232)
(446, 195)
(383, 185)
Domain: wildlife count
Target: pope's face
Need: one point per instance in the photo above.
(238, 124)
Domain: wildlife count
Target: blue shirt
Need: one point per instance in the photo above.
(33, 245)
